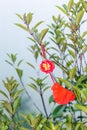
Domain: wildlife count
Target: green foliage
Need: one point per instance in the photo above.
(67, 49)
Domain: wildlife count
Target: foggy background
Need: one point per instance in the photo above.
(14, 40)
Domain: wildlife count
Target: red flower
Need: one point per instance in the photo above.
(62, 95)
(47, 66)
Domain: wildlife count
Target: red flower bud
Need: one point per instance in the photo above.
(47, 66)
(62, 95)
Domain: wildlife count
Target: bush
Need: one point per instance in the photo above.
(66, 53)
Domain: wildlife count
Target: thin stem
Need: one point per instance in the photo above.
(29, 96)
(41, 95)
(57, 62)
(81, 115)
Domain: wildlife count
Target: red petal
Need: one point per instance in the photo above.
(62, 95)
(47, 66)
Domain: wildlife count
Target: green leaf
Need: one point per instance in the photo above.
(61, 9)
(46, 128)
(72, 73)
(36, 54)
(36, 121)
(81, 107)
(80, 93)
(18, 93)
(19, 72)
(13, 58)
(70, 4)
(22, 128)
(18, 64)
(54, 19)
(84, 3)
(22, 27)
(31, 65)
(72, 53)
(19, 16)
(29, 18)
(3, 93)
(26, 118)
(16, 104)
(69, 84)
(69, 63)
(58, 110)
(51, 99)
(33, 86)
(7, 106)
(46, 88)
(31, 39)
(79, 17)
(78, 125)
(84, 34)
(37, 24)
(43, 33)
(9, 62)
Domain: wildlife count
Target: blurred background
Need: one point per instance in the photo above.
(14, 40)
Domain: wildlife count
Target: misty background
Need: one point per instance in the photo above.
(14, 40)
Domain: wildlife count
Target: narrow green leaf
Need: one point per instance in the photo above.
(16, 104)
(72, 53)
(22, 128)
(31, 39)
(33, 86)
(46, 88)
(68, 83)
(58, 110)
(46, 128)
(54, 19)
(84, 3)
(79, 17)
(29, 18)
(81, 107)
(22, 27)
(84, 34)
(37, 24)
(19, 72)
(31, 65)
(43, 33)
(19, 62)
(69, 63)
(70, 4)
(3, 93)
(7, 106)
(36, 54)
(25, 117)
(13, 58)
(9, 62)
(72, 73)
(78, 125)
(36, 121)
(20, 16)
(18, 93)
(51, 99)
(61, 9)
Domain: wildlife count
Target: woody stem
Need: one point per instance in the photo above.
(41, 95)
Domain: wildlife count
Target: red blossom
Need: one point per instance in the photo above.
(47, 66)
(62, 95)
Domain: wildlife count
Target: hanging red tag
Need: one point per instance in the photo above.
(62, 95)
(47, 66)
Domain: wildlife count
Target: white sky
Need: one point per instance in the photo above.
(14, 39)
